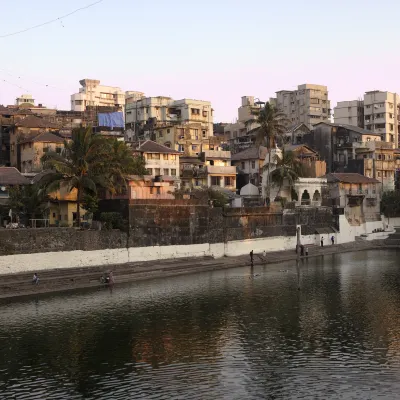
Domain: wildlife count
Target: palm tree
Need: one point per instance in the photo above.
(288, 169)
(123, 164)
(272, 124)
(81, 165)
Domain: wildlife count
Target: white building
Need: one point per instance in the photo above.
(350, 113)
(379, 113)
(93, 94)
(309, 104)
(160, 160)
(220, 172)
(25, 99)
(165, 111)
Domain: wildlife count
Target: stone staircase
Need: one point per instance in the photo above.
(393, 239)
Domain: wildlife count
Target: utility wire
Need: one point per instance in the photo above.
(51, 21)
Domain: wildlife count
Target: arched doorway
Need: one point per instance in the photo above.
(305, 198)
(317, 196)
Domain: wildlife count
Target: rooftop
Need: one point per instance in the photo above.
(152, 147)
(252, 153)
(32, 121)
(349, 178)
(350, 128)
(11, 176)
(47, 137)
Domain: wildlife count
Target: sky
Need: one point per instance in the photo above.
(207, 50)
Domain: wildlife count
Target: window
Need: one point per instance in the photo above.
(385, 174)
(181, 147)
(228, 181)
(78, 102)
(391, 126)
(166, 171)
(172, 157)
(197, 182)
(379, 174)
(195, 111)
(46, 149)
(204, 113)
(168, 130)
(243, 165)
(160, 134)
(149, 171)
(153, 156)
(157, 171)
(253, 164)
(211, 162)
(173, 172)
(165, 156)
(215, 180)
(204, 134)
(54, 215)
(194, 147)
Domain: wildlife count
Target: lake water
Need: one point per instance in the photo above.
(214, 335)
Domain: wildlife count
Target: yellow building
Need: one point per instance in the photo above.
(62, 210)
(33, 148)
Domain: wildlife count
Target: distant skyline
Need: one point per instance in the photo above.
(213, 50)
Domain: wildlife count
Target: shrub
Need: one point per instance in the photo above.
(112, 220)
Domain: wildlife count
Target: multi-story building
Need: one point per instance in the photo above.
(249, 164)
(350, 113)
(34, 147)
(25, 99)
(309, 104)
(220, 172)
(381, 114)
(93, 94)
(378, 112)
(237, 133)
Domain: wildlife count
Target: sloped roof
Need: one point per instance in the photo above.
(252, 153)
(152, 147)
(6, 110)
(32, 121)
(349, 178)
(11, 176)
(294, 128)
(350, 128)
(294, 147)
(44, 137)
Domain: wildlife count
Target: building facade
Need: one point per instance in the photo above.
(220, 172)
(350, 113)
(25, 99)
(93, 94)
(309, 104)
(377, 112)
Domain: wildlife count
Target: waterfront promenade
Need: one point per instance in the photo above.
(15, 285)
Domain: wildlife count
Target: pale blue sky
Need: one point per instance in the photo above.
(211, 50)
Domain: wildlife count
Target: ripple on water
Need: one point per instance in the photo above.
(216, 335)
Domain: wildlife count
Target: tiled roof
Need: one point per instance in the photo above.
(349, 178)
(11, 176)
(152, 147)
(6, 111)
(32, 121)
(252, 153)
(44, 137)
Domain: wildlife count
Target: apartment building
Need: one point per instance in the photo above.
(25, 99)
(381, 114)
(237, 133)
(378, 112)
(93, 94)
(220, 172)
(309, 104)
(350, 113)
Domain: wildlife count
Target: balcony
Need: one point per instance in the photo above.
(220, 154)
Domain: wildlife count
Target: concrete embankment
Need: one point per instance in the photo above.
(62, 279)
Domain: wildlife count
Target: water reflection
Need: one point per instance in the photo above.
(224, 334)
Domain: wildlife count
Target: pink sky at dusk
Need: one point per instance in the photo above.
(216, 51)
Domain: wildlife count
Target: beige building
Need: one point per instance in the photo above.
(25, 99)
(220, 172)
(236, 133)
(350, 113)
(309, 104)
(93, 94)
(33, 148)
(379, 113)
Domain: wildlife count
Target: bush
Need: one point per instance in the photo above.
(112, 220)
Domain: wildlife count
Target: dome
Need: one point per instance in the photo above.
(249, 190)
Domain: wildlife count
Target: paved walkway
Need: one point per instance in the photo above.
(14, 285)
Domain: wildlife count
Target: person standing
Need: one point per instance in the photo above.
(251, 258)
(35, 279)
(333, 240)
(322, 241)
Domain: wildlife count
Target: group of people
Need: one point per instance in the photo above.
(332, 240)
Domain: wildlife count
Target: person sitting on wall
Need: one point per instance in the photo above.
(35, 279)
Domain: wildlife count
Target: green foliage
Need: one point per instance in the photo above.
(89, 161)
(29, 201)
(272, 124)
(390, 204)
(90, 203)
(112, 220)
(288, 169)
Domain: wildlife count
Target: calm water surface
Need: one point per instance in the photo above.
(214, 335)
